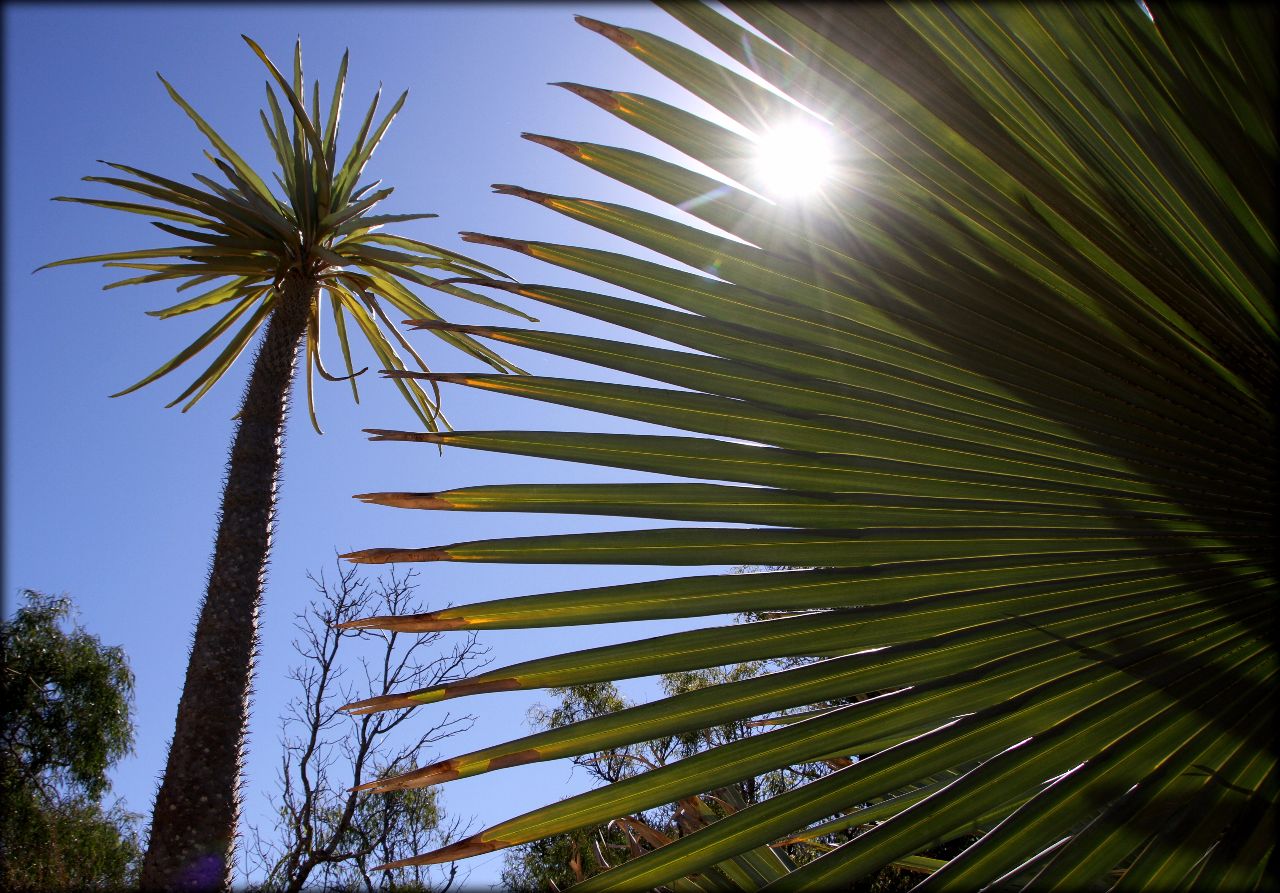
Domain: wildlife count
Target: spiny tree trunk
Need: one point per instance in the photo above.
(197, 807)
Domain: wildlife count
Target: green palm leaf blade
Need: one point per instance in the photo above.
(734, 418)
(862, 346)
(1042, 128)
(807, 634)
(839, 61)
(705, 502)
(301, 119)
(362, 151)
(340, 327)
(211, 298)
(995, 397)
(780, 365)
(779, 276)
(796, 591)
(422, 407)
(788, 469)
(875, 776)
(137, 208)
(231, 243)
(401, 298)
(222, 203)
(1178, 745)
(900, 716)
(223, 361)
(1103, 714)
(755, 221)
(1117, 831)
(373, 221)
(424, 247)
(237, 162)
(1177, 845)
(1101, 38)
(781, 546)
(732, 94)
(981, 789)
(200, 343)
(335, 111)
(444, 285)
(785, 390)
(878, 811)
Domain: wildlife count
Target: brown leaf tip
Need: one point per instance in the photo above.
(551, 142)
(381, 702)
(520, 192)
(614, 33)
(395, 556)
(405, 500)
(462, 849)
(380, 434)
(513, 287)
(426, 622)
(436, 773)
(603, 98)
(404, 373)
(441, 325)
(362, 623)
(425, 376)
(495, 241)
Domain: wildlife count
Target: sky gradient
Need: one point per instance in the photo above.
(114, 501)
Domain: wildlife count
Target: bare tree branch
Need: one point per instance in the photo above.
(325, 835)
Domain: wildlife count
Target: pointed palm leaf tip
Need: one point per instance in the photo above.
(994, 408)
(239, 239)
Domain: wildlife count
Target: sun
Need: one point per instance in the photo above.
(794, 159)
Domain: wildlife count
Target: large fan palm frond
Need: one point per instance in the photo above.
(245, 237)
(998, 396)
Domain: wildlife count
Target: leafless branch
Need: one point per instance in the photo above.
(324, 834)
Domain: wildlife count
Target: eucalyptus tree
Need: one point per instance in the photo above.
(1001, 384)
(66, 717)
(277, 259)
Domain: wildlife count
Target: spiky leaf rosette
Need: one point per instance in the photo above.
(319, 222)
(998, 396)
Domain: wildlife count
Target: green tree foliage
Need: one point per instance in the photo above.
(65, 718)
(1006, 381)
(561, 860)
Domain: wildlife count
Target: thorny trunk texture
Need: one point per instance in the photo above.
(198, 804)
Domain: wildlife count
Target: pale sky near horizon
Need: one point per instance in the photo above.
(113, 501)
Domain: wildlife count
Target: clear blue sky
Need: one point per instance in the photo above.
(113, 501)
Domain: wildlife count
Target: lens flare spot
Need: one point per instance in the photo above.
(794, 159)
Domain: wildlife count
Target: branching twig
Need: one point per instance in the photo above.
(324, 834)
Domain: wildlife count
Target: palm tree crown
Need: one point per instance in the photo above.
(317, 227)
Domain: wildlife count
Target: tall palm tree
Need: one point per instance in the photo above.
(276, 255)
(997, 393)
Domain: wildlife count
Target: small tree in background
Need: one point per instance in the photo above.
(324, 834)
(561, 860)
(557, 862)
(66, 703)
